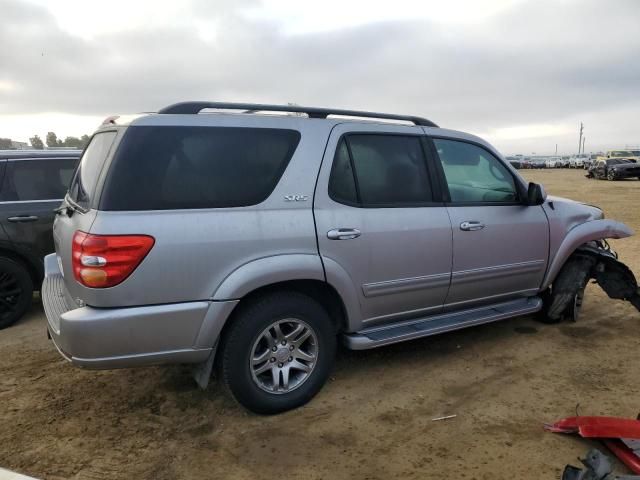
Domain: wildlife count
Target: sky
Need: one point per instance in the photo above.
(522, 74)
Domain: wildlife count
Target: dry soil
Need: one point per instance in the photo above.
(373, 420)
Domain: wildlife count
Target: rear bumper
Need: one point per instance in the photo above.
(102, 338)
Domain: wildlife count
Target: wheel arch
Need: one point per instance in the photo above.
(581, 234)
(302, 273)
(320, 291)
(36, 272)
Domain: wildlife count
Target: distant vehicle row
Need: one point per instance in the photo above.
(574, 161)
(582, 160)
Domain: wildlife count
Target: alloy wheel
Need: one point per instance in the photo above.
(283, 356)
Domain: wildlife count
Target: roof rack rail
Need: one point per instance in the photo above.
(312, 112)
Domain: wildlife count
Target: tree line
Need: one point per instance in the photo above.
(51, 140)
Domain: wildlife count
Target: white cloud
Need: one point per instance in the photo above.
(522, 73)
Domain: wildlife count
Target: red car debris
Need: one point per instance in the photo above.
(620, 435)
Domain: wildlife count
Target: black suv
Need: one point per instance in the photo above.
(32, 186)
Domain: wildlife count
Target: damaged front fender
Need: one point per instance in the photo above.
(593, 260)
(581, 235)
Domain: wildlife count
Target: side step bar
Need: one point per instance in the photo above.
(440, 323)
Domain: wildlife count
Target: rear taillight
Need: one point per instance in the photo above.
(101, 261)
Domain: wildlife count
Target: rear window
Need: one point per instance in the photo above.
(83, 185)
(163, 168)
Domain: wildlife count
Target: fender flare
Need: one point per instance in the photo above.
(267, 271)
(579, 235)
(341, 281)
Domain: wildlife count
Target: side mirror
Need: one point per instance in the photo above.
(536, 194)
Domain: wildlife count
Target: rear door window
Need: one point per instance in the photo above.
(84, 181)
(167, 167)
(41, 179)
(390, 171)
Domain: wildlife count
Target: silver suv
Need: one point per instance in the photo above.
(252, 239)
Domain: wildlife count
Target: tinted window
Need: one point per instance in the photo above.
(84, 181)
(160, 168)
(390, 170)
(45, 179)
(342, 186)
(473, 174)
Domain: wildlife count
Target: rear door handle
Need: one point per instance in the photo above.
(23, 219)
(343, 233)
(471, 226)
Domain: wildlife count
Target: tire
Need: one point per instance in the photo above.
(16, 291)
(563, 301)
(572, 312)
(610, 176)
(248, 359)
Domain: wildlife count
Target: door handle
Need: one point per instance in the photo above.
(471, 226)
(22, 219)
(343, 233)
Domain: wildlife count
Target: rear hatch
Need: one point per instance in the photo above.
(78, 212)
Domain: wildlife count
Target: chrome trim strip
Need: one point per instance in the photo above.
(490, 273)
(529, 292)
(389, 287)
(32, 201)
(45, 158)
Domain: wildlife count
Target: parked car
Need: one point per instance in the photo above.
(614, 169)
(553, 162)
(577, 161)
(588, 162)
(538, 163)
(565, 161)
(619, 154)
(32, 185)
(253, 242)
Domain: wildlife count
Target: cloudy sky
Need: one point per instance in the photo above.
(521, 73)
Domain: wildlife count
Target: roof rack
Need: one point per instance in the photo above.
(312, 112)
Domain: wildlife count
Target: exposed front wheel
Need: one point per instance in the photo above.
(16, 291)
(563, 301)
(611, 176)
(278, 352)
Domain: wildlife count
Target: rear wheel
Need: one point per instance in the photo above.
(16, 291)
(278, 352)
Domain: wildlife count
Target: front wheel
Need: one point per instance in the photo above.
(610, 176)
(278, 352)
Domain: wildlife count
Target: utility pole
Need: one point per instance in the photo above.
(584, 139)
(580, 140)
(556, 149)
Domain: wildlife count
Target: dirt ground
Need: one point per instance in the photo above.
(373, 420)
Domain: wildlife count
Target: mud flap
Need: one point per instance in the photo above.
(202, 371)
(592, 261)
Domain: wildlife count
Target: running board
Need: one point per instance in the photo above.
(440, 323)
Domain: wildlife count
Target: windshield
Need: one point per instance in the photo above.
(84, 180)
(617, 162)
